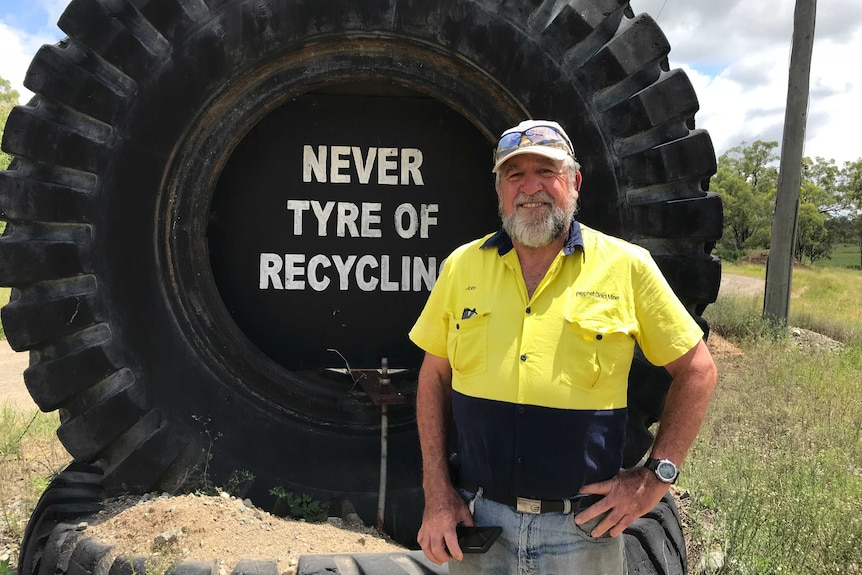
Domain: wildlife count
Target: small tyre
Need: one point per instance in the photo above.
(75, 492)
(655, 544)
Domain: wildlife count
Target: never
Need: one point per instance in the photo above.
(394, 166)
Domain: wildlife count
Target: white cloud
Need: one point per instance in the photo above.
(18, 48)
(737, 55)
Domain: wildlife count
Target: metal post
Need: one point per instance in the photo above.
(384, 441)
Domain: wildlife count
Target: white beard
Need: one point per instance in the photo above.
(535, 230)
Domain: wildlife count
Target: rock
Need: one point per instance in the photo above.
(353, 519)
(224, 495)
(170, 537)
(711, 563)
(247, 502)
(81, 526)
(336, 521)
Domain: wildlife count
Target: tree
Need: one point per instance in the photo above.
(812, 235)
(850, 190)
(819, 200)
(8, 100)
(747, 184)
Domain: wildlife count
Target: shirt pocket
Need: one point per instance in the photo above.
(596, 352)
(468, 345)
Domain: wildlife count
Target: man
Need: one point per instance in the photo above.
(529, 335)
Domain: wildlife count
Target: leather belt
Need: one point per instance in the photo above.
(536, 506)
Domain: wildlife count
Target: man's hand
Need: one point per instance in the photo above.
(442, 513)
(628, 496)
(634, 492)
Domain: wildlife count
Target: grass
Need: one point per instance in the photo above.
(843, 256)
(825, 300)
(776, 472)
(30, 456)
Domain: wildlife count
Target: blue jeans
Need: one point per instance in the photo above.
(546, 544)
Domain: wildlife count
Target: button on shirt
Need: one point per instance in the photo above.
(539, 383)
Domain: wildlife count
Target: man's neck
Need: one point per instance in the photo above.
(536, 261)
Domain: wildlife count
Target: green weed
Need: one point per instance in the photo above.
(298, 506)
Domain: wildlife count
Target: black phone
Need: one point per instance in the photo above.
(476, 539)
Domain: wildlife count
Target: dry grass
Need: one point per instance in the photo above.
(30, 456)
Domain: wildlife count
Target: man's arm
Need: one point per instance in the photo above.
(634, 492)
(444, 508)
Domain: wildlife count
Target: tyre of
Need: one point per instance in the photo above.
(117, 157)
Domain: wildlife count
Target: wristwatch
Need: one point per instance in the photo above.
(664, 469)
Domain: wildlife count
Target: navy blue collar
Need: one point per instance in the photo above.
(503, 242)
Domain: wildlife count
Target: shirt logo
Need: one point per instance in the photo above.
(597, 295)
(471, 288)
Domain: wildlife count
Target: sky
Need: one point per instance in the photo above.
(735, 52)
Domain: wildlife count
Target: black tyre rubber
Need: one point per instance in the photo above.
(116, 158)
(655, 544)
(75, 492)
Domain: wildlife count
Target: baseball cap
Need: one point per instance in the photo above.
(542, 137)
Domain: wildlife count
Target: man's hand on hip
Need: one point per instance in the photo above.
(443, 511)
(628, 496)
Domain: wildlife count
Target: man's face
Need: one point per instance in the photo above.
(536, 199)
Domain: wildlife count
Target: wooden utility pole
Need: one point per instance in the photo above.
(779, 267)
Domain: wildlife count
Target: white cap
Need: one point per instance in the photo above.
(553, 142)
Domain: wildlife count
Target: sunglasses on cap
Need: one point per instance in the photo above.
(534, 136)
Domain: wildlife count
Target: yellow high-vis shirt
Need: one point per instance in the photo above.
(548, 374)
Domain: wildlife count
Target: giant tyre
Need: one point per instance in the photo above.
(118, 252)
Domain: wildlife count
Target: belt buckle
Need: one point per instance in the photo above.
(525, 505)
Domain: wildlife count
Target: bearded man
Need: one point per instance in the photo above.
(529, 335)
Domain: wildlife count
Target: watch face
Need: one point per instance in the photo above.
(666, 470)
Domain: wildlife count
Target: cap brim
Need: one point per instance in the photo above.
(548, 152)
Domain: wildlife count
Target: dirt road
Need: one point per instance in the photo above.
(13, 392)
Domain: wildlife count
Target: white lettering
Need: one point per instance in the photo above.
(412, 221)
(338, 164)
(416, 274)
(368, 218)
(347, 214)
(298, 206)
(343, 268)
(312, 163)
(421, 273)
(322, 214)
(385, 283)
(363, 169)
(411, 159)
(270, 267)
(385, 165)
(426, 218)
(405, 273)
(316, 283)
(365, 262)
(394, 166)
(293, 270)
